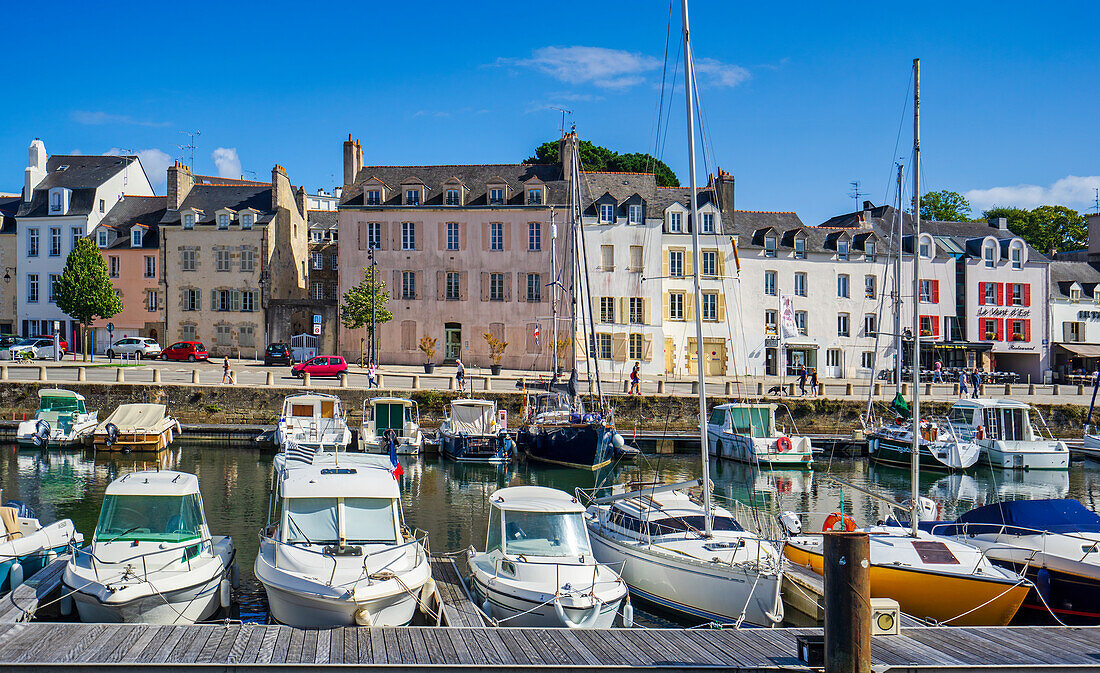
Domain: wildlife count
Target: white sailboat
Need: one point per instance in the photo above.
(680, 552)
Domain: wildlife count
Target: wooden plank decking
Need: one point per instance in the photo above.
(21, 604)
(458, 609)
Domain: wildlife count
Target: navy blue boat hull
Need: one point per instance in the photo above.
(587, 446)
(466, 448)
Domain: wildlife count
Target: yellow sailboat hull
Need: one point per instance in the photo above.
(930, 595)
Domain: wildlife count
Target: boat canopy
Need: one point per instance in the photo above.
(1024, 517)
(331, 481)
(534, 499)
(311, 405)
(154, 482)
(132, 418)
(754, 420)
(391, 413)
(61, 401)
(473, 417)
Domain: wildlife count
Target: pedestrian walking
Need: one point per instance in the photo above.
(635, 380)
(813, 381)
(977, 383)
(372, 375)
(802, 380)
(227, 373)
(937, 377)
(964, 389)
(460, 375)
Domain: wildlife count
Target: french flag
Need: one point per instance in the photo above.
(396, 470)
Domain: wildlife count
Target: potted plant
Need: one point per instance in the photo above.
(1017, 337)
(990, 336)
(496, 351)
(926, 332)
(427, 345)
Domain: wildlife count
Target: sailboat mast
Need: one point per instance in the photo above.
(914, 459)
(553, 295)
(689, 90)
(898, 344)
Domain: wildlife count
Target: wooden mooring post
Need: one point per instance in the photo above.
(847, 602)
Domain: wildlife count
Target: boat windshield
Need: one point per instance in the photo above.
(61, 405)
(318, 520)
(751, 421)
(150, 518)
(545, 534)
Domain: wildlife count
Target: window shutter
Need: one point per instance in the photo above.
(981, 295)
(508, 286)
(1067, 331)
(384, 232)
(463, 278)
(484, 286)
(669, 355)
(618, 346)
(396, 290)
(441, 242)
(645, 311)
(667, 297)
(624, 311)
(689, 306)
(1000, 294)
(665, 268)
(235, 300)
(398, 228)
(721, 264)
(721, 307)
(935, 292)
(521, 286)
(213, 300)
(935, 323)
(364, 235)
(647, 347)
(1027, 330)
(441, 285)
(688, 268)
(982, 328)
(1027, 295)
(485, 236)
(1000, 322)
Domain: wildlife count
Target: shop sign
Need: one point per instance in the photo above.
(1004, 312)
(1088, 315)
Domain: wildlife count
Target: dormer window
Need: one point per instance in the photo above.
(55, 202)
(412, 197)
(987, 255)
(799, 248)
(135, 237)
(59, 200)
(1075, 294)
(534, 196)
(634, 214)
(453, 197)
(869, 251)
(101, 238)
(607, 213)
(925, 249)
(770, 244)
(842, 250)
(223, 220)
(189, 221)
(708, 223)
(374, 197)
(1016, 255)
(496, 196)
(246, 221)
(675, 223)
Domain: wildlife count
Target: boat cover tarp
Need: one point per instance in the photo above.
(137, 418)
(472, 419)
(1023, 517)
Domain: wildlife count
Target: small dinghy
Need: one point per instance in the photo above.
(152, 558)
(336, 551)
(62, 420)
(137, 427)
(538, 570)
(27, 546)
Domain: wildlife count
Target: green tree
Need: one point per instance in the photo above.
(84, 291)
(355, 311)
(596, 158)
(944, 206)
(1046, 228)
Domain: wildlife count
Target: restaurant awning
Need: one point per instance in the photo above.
(1082, 350)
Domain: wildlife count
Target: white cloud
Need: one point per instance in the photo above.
(1072, 191)
(97, 118)
(599, 66)
(716, 73)
(227, 161)
(154, 161)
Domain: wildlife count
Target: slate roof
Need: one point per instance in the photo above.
(474, 177)
(82, 174)
(130, 212)
(1064, 274)
(211, 198)
(9, 205)
(323, 219)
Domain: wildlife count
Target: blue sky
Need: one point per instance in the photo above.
(799, 98)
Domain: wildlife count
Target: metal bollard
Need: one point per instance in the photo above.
(660, 385)
(791, 393)
(81, 374)
(343, 379)
(626, 386)
(378, 377)
(271, 378)
(1031, 389)
(1054, 389)
(729, 389)
(848, 389)
(120, 375)
(955, 389)
(450, 384)
(1080, 389)
(905, 389)
(42, 374)
(416, 382)
(694, 387)
(194, 376)
(878, 389)
(488, 383)
(156, 375)
(928, 389)
(305, 379)
(1008, 390)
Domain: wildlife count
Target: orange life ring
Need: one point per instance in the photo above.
(834, 518)
(783, 444)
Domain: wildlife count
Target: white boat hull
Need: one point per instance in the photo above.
(175, 607)
(1038, 455)
(692, 588)
(759, 450)
(515, 609)
(306, 610)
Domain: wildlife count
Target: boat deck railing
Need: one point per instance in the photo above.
(205, 543)
(498, 562)
(419, 539)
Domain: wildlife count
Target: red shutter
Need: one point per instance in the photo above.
(935, 292)
(1000, 294)
(935, 323)
(1027, 295)
(981, 295)
(1002, 324)
(1027, 328)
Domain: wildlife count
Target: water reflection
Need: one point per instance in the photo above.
(449, 500)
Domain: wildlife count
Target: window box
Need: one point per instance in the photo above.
(990, 336)
(926, 332)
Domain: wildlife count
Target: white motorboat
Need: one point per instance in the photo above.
(748, 433)
(1008, 438)
(944, 444)
(152, 558)
(27, 546)
(538, 569)
(657, 534)
(313, 420)
(336, 552)
(137, 427)
(390, 417)
(1090, 445)
(62, 420)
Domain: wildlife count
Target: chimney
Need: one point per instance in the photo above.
(300, 199)
(1094, 237)
(566, 147)
(36, 168)
(999, 223)
(353, 160)
(867, 205)
(723, 185)
(180, 182)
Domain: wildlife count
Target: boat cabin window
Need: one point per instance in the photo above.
(545, 534)
(391, 416)
(301, 410)
(717, 417)
(751, 421)
(627, 521)
(150, 518)
(685, 524)
(321, 521)
(62, 405)
(1013, 424)
(962, 416)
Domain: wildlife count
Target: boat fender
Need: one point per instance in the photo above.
(617, 441)
(51, 556)
(235, 576)
(587, 622)
(628, 614)
(15, 575)
(839, 517)
(226, 593)
(1042, 584)
(66, 606)
(427, 593)
(362, 617)
(783, 444)
(111, 431)
(485, 605)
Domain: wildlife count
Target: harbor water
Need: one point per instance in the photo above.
(450, 500)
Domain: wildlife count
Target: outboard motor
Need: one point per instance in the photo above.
(20, 508)
(41, 432)
(112, 434)
(791, 523)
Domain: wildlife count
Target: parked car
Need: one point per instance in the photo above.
(64, 344)
(34, 348)
(143, 347)
(322, 365)
(186, 350)
(278, 353)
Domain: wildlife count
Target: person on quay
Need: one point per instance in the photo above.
(460, 375)
(372, 375)
(227, 373)
(635, 380)
(964, 390)
(937, 376)
(814, 388)
(802, 380)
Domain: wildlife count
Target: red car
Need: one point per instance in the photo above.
(64, 344)
(186, 350)
(322, 365)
